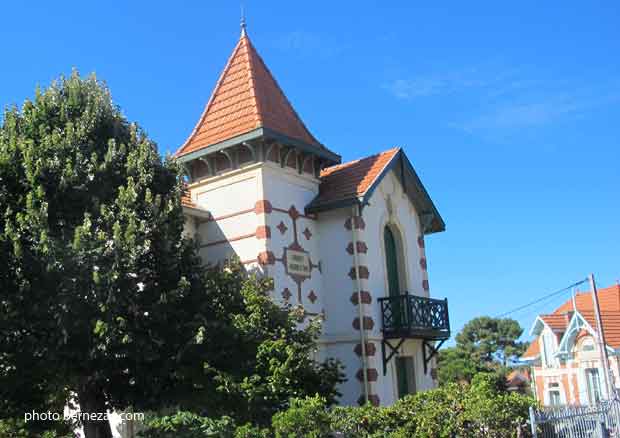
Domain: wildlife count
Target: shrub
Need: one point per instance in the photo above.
(306, 418)
(476, 410)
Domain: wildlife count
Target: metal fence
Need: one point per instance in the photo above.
(598, 421)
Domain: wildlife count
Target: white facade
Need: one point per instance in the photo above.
(257, 215)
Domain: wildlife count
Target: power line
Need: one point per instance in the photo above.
(557, 292)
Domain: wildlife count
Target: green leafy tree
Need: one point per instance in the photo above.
(488, 340)
(103, 298)
(455, 365)
(258, 357)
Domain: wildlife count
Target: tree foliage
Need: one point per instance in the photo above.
(103, 298)
(488, 339)
(483, 345)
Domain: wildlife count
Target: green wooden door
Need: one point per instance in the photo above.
(397, 307)
(405, 376)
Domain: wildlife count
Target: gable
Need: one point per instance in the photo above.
(355, 182)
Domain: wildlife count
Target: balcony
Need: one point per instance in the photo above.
(413, 317)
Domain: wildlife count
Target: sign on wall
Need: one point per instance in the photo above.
(297, 263)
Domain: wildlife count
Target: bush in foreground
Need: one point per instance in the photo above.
(476, 410)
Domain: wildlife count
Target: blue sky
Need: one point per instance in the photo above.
(510, 114)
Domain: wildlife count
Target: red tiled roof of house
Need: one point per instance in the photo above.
(246, 97)
(557, 322)
(352, 179)
(532, 351)
(608, 298)
(517, 377)
(609, 303)
(611, 325)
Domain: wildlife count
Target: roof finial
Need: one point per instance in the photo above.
(243, 33)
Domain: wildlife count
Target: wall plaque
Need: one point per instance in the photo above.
(297, 263)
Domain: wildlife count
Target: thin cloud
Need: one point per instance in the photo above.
(546, 110)
(432, 85)
(506, 99)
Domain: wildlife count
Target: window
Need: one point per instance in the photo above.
(554, 394)
(587, 345)
(391, 261)
(594, 385)
(554, 398)
(405, 375)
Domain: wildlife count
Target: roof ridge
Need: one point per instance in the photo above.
(357, 160)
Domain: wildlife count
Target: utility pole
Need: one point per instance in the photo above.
(601, 341)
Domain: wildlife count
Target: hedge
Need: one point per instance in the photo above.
(477, 410)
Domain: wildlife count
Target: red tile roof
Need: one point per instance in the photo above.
(609, 303)
(532, 351)
(608, 298)
(246, 97)
(352, 179)
(557, 322)
(611, 325)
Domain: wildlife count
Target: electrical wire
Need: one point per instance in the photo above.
(552, 294)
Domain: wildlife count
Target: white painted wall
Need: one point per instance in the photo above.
(240, 190)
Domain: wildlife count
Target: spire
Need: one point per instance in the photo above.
(246, 98)
(243, 25)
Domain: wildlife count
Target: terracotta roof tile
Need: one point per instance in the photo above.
(557, 322)
(352, 179)
(246, 97)
(609, 300)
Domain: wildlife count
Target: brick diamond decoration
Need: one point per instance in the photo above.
(293, 213)
(307, 233)
(286, 294)
(282, 227)
(312, 297)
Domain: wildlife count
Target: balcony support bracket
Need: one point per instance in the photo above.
(393, 351)
(428, 351)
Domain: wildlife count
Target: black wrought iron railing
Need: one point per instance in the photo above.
(412, 316)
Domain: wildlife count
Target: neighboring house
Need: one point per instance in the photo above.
(344, 242)
(565, 359)
(519, 381)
